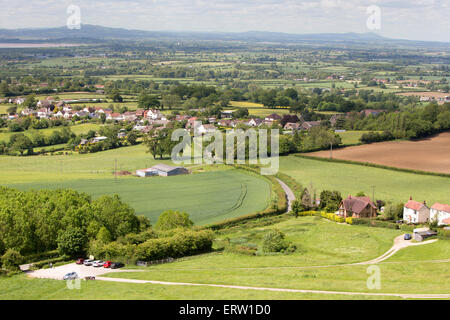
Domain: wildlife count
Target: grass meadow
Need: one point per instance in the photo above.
(390, 185)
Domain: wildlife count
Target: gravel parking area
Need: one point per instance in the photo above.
(59, 272)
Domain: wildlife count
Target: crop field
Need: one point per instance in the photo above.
(207, 197)
(431, 154)
(389, 185)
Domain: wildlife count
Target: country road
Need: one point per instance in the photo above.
(289, 194)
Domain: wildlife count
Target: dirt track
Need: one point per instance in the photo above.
(431, 154)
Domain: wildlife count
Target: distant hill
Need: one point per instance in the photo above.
(92, 32)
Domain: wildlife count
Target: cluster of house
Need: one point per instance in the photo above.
(438, 99)
(414, 212)
(419, 212)
(161, 169)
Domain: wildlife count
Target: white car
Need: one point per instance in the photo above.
(98, 263)
(88, 262)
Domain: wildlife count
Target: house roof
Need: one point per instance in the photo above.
(357, 204)
(414, 205)
(441, 207)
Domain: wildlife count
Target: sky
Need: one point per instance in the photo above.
(401, 19)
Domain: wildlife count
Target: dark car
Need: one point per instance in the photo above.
(80, 261)
(407, 237)
(116, 265)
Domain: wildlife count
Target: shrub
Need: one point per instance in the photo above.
(349, 220)
(443, 234)
(12, 259)
(275, 241)
(173, 219)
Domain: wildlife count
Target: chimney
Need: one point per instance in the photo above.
(410, 197)
(424, 202)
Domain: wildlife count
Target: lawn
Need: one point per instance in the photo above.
(389, 185)
(207, 197)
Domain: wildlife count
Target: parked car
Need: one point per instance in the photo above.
(407, 237)
(116, 265)
(71, 276)
(107, 264)
(80, 261)
(88, 262)
(98, 263)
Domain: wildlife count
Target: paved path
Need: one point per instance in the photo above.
(289, 194)
(400, 295)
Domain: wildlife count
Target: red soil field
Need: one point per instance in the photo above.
(430, 154)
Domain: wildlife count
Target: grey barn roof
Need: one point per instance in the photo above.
(164, 167)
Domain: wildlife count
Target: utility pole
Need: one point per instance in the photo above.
(331, 150)
(115, 169)
(373, 193)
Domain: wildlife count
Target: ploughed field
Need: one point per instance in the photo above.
(430, 154)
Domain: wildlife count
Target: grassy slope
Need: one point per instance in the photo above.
(350, 179)
(320, 242)
(22, 288)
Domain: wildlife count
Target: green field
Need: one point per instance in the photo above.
(351, 137)
(5, 134)
(207, 197)
(350, 179)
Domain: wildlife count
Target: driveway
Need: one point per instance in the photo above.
(59, 272)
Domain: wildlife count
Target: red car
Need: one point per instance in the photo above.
(107, 264)
(80, 261)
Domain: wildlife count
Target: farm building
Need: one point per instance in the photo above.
(161, 170)
(422, 234)
(416, 212)
(441, 213)
(357, 207)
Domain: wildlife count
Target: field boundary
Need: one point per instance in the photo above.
(375, 165)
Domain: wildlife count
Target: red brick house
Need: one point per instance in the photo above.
(357, 207)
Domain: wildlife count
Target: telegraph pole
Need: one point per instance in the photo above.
(115, 169)
(331, 150)
(373, 193)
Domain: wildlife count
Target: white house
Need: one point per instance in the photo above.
(416, 212)
(441, 213)
(255, 122)
(206, 128)
(155, 114)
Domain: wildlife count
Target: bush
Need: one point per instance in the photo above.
(349, 220)
(275, 241)
(173, 219)
(12, 259)
(443, 234)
